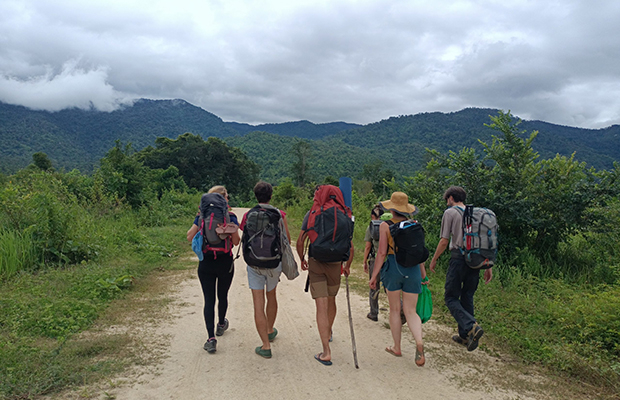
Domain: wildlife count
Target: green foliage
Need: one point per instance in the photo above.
(203, 164)
(377, 174)
(286, 195)
(41, 313)
(76, 138)
(51, 219)
(302, 153)
(569, 328)
(39, 207)
(41, 161)
(124, 177)
(332, 157)
(18, 252)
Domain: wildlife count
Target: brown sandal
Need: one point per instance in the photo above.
(390, 350)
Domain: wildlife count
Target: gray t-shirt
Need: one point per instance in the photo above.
(368, 238)
(452, 227)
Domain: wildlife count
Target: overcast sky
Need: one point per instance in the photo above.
(322, 61)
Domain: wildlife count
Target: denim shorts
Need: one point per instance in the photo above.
(396, 277)
(258, 278)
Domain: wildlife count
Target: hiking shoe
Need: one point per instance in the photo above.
(273, 334)
(219, 331)
(210, 345)
(372, 317)
(263, 353)
(473, 336)
(459, 340)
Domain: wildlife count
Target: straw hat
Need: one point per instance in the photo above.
(399, 202)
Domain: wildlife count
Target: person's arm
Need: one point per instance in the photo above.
(384, 231)
(347, 265)
(366, 254)
(192, 232)
(423, 272)
(441, 247)
(488, 275)
(300, 249)
(235, 238)
(288, 234)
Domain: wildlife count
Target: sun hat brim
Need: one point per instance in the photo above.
(400, 203)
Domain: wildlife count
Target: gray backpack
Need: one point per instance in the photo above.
(374, 229)
(480, 237)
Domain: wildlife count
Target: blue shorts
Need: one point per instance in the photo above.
(258, 278)
(395, 277)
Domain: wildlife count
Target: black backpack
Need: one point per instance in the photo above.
(330, 227)
(261, 237)
(214, 212)
(410, 249)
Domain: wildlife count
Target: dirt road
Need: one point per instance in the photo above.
(235, 372)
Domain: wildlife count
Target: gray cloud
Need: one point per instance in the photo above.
(357, 61)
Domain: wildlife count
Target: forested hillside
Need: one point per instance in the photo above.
(79, 139)
(75, 138)
(330, 156)
(452, 131)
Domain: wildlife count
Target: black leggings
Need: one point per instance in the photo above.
(215, 272)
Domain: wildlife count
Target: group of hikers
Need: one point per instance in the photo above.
(393, 257)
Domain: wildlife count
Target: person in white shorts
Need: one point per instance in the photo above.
(260, 278)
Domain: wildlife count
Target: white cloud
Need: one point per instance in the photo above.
(72, 87)
(358, 61)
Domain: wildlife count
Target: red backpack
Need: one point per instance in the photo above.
(330, 226)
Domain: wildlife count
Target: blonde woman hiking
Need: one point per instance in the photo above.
(216, 269)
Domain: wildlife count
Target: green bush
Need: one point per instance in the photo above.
(17, 253)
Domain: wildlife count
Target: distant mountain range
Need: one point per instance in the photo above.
(75, 138)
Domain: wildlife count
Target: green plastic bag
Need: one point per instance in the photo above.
(425, 303)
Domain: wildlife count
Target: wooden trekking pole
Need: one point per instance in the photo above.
(351, 324)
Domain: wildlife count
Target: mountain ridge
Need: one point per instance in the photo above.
(75, 138)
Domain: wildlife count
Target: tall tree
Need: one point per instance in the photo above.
(41, 161)
(301, 167)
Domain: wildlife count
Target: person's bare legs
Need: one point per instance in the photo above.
(395, 322)
(410, 301)
(272, 310)
(260, 319)
(325, 315)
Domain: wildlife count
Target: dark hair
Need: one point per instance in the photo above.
(263, 191)
(458, 194)
(377, 211)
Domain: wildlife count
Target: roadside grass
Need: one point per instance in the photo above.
(41, 348)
